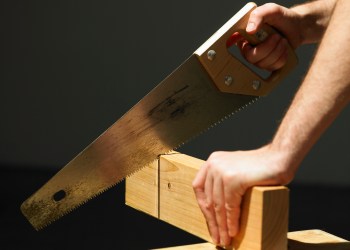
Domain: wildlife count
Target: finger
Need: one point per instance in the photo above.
(234, 39)
(220, 213)
(268, 13)
(261, 51)
(208, 189)
(198, 185)
(273, 57)
(245, 47)
(199, 180)
(210, 211)
(233, 198)
(280, 62)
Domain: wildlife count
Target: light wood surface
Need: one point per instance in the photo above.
(177, 202)
(299, 240)
(142, 190)
(199, 246)
(316, 240)
(164, 190)
(264, 219)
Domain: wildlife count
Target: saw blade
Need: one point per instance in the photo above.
(183, 105)
(192, 99)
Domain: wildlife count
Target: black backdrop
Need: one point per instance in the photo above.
(72, 68)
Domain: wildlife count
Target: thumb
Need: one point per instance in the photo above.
(269, 13)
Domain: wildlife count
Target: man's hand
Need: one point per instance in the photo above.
(272, 53)
(222, 181)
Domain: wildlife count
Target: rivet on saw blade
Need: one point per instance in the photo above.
(211, 55)
(228, 80)
(256, 84)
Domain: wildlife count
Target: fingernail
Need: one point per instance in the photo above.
(250, 26)
(223, 245)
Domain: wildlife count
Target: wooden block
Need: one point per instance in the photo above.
(264, 219)
(141, 190)
(316, 240)
(300, 240)
(265, 209)
(200, 246)
(177, 202)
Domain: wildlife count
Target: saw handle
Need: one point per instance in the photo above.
(228, 73)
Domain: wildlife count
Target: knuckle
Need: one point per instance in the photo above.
(231, 208)
(208, 204)
(196, 186)
(261, 65)
(250, 57)
(279, 64)
(229, 178)
(272, 6)
(202, 203)
(215, 154)
(213, 158)
(218, 207)
(271, 12)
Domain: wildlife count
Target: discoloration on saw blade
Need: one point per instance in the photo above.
(182, 106)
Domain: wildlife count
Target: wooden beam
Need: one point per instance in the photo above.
(142, 190)
(300, 240)
(264, 219)
(316, 240)
(164, 190)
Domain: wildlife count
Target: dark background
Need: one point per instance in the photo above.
(72, 68)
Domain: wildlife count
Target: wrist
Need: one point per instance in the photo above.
(285, 162)
(312, 19)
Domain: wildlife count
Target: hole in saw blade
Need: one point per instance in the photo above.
(235, 52)
(60, 195)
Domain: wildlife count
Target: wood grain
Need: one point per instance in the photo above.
(141, 190)
(264, 219)
(299, 240)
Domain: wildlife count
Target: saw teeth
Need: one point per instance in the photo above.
(48, 222)
(218, 122)
(157, 110)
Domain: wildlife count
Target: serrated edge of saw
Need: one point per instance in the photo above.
(218, 122)
(40, 227)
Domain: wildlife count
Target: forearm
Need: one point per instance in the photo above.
(314, 19)
(324, 92)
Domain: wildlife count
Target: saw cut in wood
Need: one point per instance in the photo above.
(204, 90)
(164, 190)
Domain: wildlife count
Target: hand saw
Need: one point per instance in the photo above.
(204, 90)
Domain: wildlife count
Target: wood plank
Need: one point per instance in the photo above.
(264, 214)
(265, 209)
(199, 246)
(178, 204)
(300, 240)
(264, 219)
(141, 190)
(316, 240)
(164, 190)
